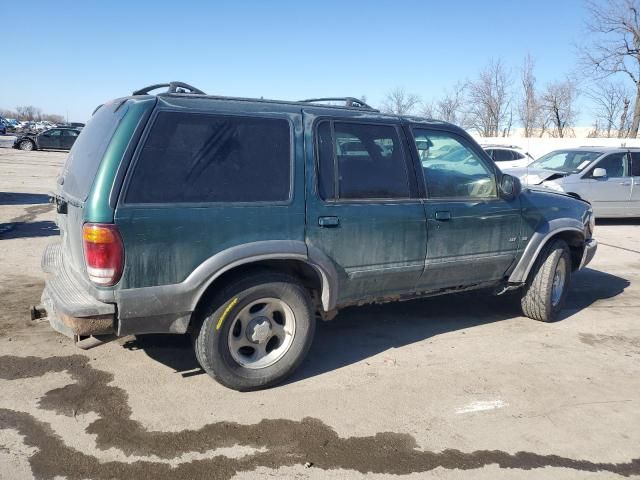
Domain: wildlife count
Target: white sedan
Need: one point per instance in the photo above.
(508, 156)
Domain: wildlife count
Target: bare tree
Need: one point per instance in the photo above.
(399, 102)
(614, 30)
(53, 117)
(608, 100)
(29, 112)
(489, 100)
(558, 104)
(624, 127)
(429, 110)
(528, 105)
(450, 107)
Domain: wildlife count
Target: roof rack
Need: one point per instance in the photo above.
(174, 87)
(348, 102)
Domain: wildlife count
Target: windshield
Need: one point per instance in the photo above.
(568, 161)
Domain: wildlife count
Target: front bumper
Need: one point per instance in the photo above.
(590, 247)
(70, 308)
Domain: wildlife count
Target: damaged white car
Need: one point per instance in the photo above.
(608, 178)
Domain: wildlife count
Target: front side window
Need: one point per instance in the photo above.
(196, 158)
(451, 168)
(368, 160)
(69, 133)
(53, 133)
(614, 164)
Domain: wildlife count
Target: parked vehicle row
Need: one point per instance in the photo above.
(11, 125)
(238, 221)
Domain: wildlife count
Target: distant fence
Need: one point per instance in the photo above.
(539, 146)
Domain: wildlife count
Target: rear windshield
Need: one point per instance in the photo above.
(87, 152)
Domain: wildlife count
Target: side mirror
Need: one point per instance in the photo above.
(599, 173)
(510, 186)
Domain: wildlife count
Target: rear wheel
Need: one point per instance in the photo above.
(256, 332)
(26, 145)
(546, 290)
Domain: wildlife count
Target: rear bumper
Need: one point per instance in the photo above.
(70, 308)
(590, 247)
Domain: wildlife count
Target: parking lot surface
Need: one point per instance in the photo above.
(447, 387)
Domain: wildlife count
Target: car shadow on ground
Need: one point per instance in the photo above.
(42, 228)
(15, 198)
(361, 332)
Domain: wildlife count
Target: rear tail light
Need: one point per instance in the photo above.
(103, 253)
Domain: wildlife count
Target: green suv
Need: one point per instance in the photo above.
(240, 221)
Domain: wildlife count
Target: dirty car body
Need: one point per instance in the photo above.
(238, 221)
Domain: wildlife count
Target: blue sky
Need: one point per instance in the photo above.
(74, 55)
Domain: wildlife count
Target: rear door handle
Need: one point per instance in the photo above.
(626, 184)
(329, 222)
(443, 216)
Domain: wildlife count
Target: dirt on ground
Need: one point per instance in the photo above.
(446, 387)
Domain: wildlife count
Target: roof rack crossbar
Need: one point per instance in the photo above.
(174, 87)
(348, 102)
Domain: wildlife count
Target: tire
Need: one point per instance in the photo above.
(546, 290)
(26, 145)
(255, 332)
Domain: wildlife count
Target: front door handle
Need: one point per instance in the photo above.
(329, 222)
(443, 216)
(625, 184)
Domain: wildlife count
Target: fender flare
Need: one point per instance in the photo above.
(177, 301)
(537, 242)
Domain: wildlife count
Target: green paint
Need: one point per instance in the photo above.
(97, 207)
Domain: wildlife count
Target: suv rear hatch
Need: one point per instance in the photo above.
(85, 183)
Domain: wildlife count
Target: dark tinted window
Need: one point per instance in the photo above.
(326, 169)
(204, 158)
(69, 133)
(87, 152)
(500, 155)
(369, 159)
(517, 155)
(635, 164)
(613, 164)
(52, 133)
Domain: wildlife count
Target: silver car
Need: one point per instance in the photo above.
(608, 178)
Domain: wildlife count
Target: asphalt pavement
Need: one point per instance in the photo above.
(460, 386)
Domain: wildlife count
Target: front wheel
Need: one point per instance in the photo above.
(255, 332)
(26, 145)
(546, 290)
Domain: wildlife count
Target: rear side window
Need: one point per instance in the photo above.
(635, 164)
(368, 159)
(86, 155)
(207, 158)
(500, 155)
